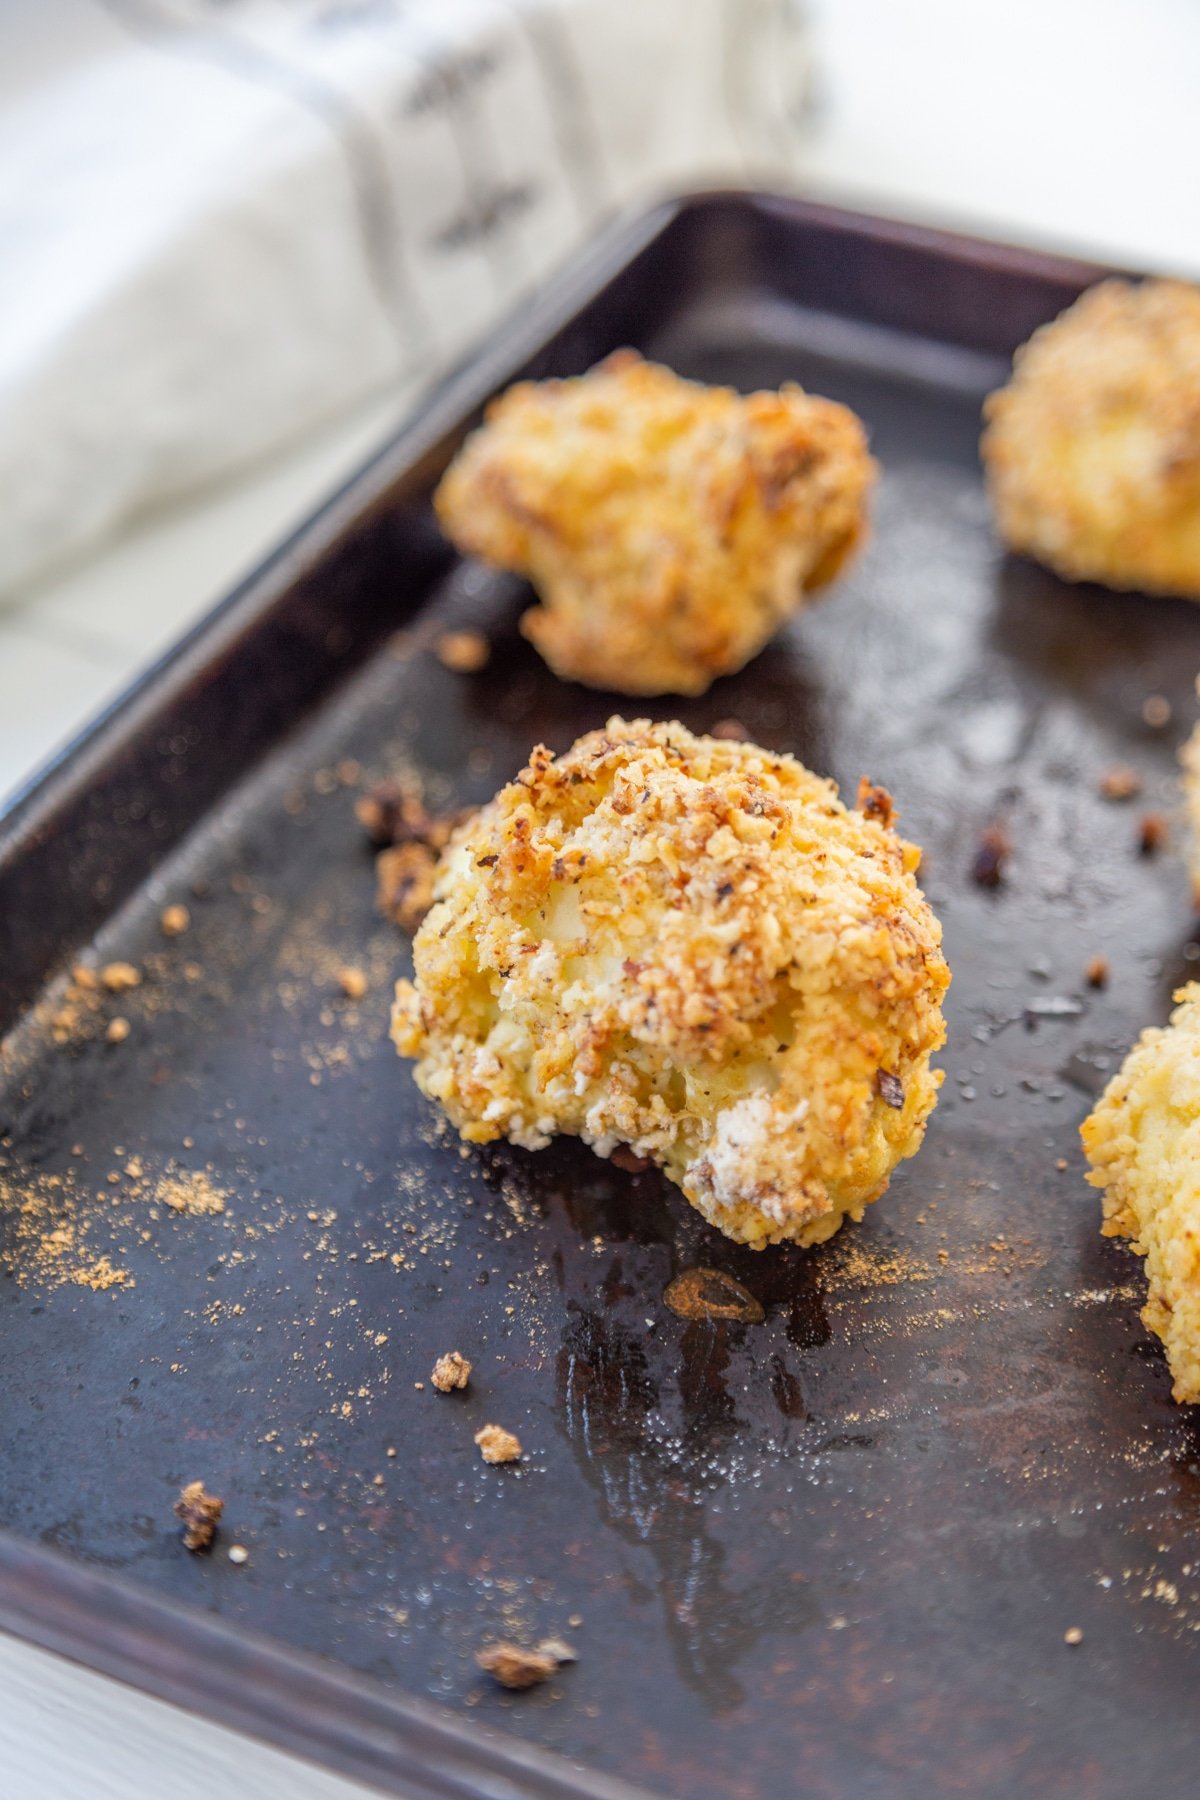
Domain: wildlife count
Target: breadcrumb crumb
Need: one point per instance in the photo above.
(497, 1445)
(515, 1667)
(200, 1512)
(450, 1371)
(352, 982)
(463, 652)
(117, 977)
(174, 921)
(404, 883)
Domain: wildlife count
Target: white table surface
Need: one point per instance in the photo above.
(1069, 123)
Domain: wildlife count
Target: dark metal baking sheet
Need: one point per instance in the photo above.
(835, 1553)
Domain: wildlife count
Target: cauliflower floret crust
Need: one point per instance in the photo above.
(1143, 1141)
(1092, 451)
(690, 947)
(669, 528)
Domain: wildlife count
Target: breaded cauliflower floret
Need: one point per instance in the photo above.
(692, 948)
(668, 528)
(1092, 451)
(1143, 1141)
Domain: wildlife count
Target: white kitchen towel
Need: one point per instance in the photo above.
(221, 220)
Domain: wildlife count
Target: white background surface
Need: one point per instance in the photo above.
(1071, 123)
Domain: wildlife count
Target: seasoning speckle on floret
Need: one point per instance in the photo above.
(691, 948)
(669, 528)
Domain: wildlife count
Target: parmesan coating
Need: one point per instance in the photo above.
(690, 947)
(669, 528)
(1143, 1141)
(1092, 451)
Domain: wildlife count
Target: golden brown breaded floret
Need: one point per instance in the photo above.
(1143, 1141)
(1092, 451)
(690, 947)
(669, 528)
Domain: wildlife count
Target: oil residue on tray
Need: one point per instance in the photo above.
(711, 1294)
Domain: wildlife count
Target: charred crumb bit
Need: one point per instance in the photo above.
(627, 1160)
(991, 856)
(352, 982)
(497, 1445)
(118, 1030)
(1156, 711)
(238, 1553)
(201, 1513)
(732, 730)
(515, 1667)
(1120, 783)
(404, 883)
(891, 1089)
(392, 812)
(1152, 834)
(463, 652)
(118, 977)
(1096, 973)
(450, 1371)
(874, 802)
(174, 920)
(1073, 1635)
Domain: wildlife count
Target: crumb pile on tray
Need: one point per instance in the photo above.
(669, 528)
(693, 948)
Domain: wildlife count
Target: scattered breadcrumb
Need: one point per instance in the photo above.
(118, 976)
(174, 921)
(117, 1030)
(497, 1445)
(732, 730)
(201, 1513)
(190, 1192)
(465, 652)
(404, 883)
(1156, 711)
(1096, 973)
(1152, 834)
(352, 982)
(1073, 1635)
(238, 1553)
(991, 856)
(515, 1667)
(1120, 783)
(450, 1371)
